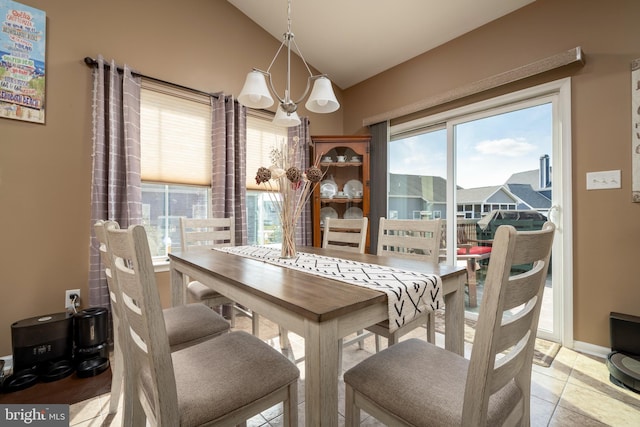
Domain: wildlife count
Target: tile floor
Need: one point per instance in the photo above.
(574, 391)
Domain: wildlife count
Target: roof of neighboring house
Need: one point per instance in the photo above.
(531, 178)
(434, 189)
(483, 194)
(533, 198)
(431, 188)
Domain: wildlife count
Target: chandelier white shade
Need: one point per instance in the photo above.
(257, 94)
(322, 98)
(285, 119)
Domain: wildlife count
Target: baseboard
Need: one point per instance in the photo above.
(591, 349)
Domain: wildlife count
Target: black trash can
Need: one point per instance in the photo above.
(91, 346)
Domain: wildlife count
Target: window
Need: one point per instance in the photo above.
(263, 222)
(175, 134)
(162, 207)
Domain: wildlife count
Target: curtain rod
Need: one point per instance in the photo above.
(552, 62)
(93, 64)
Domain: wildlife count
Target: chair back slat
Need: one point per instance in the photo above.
(207, 232)
(100, 228)
(522, 287)
(515, 328)
(410, 238)
(507, 323)
(510, 365)
(345, 234)
(145, 326)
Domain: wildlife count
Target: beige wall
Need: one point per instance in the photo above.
(606, 227)
(45, 170)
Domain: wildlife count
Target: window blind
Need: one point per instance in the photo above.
(175, 136)
(262, 137)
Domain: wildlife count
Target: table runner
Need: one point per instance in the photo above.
(409, 293)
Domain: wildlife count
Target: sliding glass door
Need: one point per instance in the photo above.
(501, 161)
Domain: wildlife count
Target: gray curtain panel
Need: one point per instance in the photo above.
(304, 228)
(378, 180)
(229, 162)
(116, 192)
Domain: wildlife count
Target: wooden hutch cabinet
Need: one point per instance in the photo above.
(344, 190)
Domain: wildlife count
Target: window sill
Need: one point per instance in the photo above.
(161, 265)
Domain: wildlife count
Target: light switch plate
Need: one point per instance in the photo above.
(603, 180)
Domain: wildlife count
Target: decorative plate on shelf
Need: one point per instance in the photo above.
(353, 212)
(353, 188)
(327, 212)
(328, 188)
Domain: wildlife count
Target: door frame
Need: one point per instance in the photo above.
(558, 92)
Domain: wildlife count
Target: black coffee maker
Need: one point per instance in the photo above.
(91, 351)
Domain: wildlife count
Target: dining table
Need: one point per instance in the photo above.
(319, 309)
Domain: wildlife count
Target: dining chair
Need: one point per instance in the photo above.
(186, 325)
(417, 383)
(212, 233)
(411, 238)
(345, 234)
(474, 252)
(223, 381)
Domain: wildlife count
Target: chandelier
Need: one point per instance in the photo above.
(255, 93)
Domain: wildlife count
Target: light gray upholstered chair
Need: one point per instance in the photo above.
(186, 325)
(411, 238)
(212, 233)
(223, 381)
(416, 383)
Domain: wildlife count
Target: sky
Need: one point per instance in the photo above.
(488, 151)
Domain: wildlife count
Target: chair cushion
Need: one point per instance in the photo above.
(475, 250)
(201, 291)
(423, 384)
(218, 376)
(192, 323)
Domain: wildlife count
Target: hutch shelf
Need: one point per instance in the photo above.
(344, 190)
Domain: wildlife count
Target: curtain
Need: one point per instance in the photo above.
(229, 162)
(116, 192)
(378, 179)
(304, 227)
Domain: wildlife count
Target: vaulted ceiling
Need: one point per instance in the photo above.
(352, 40)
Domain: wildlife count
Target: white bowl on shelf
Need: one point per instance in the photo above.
(352, 188)
(353, 212)
(328, 188)
(327, 212)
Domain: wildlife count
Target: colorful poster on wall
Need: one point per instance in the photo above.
(635, 129)
(22, 58)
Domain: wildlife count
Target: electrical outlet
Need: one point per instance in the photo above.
(68, 302)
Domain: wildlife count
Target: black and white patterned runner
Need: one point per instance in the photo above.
(409, 293)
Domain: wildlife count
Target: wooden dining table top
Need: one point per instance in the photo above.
(315, 298)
